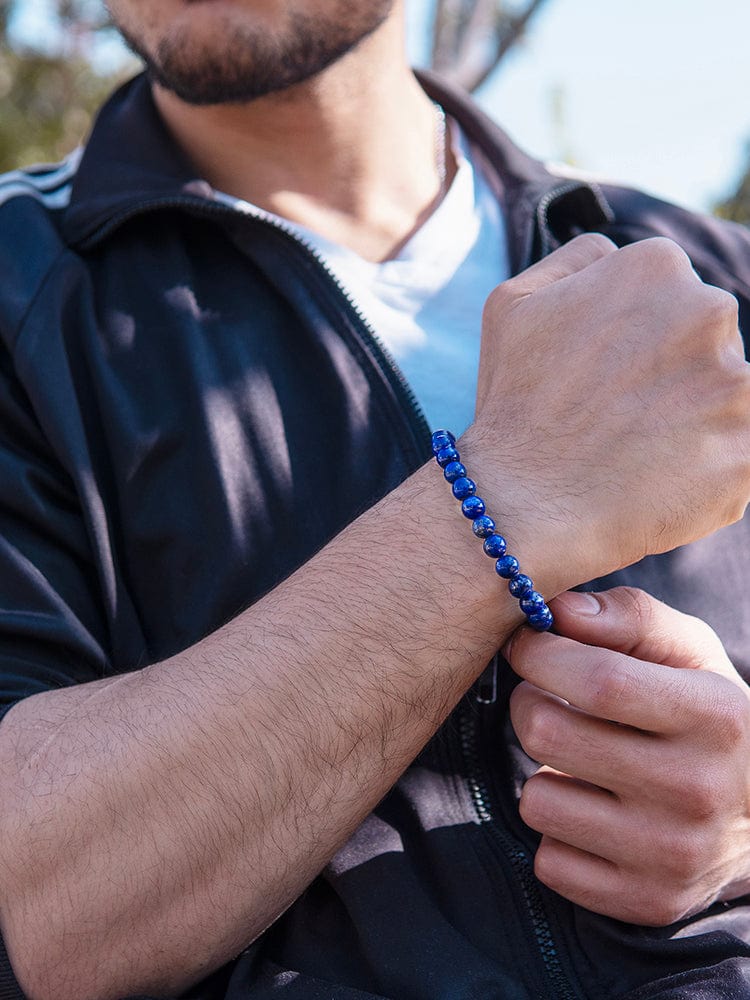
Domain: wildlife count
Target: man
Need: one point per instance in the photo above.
(223, 682)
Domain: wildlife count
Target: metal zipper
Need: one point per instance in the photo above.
(382, 355)
(546, 201)
(520, 862)
(371, 335)
(487, 690)
(486, 694)
(486, 684)
(542, 211)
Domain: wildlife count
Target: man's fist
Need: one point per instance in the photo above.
(613, 407)
(643, 728)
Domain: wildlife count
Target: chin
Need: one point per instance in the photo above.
(235, 51)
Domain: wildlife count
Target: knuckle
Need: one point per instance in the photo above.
(660, 909)
(498, 301)
(539, 731)
(701, 797)
(551, 872)
(741, 391)
(639, 607)
(547, 865)
(662, 255)
(728, 308)
(531, 804)
(716, 313)
(735, 510)
(593, 245)
(735, 411)
(730, 717)
(611, 686)
(722, 304)
(654, 901)
(684, 854)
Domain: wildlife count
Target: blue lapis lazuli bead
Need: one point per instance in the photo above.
(532, 603)
(542, 621)
(464, 487)
(507, 567)
(447, 455)
(453, 471)
(483, 526)
(520, 585)
(442, 439)
(473, 507)
(495, 546)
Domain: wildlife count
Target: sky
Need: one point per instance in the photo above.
(655, 93)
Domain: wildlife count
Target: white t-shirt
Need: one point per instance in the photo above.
(425, 305)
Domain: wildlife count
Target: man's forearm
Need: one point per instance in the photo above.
(182, 808)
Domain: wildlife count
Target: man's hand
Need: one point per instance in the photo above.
(184, 806)
(643, 727)
(613, 407)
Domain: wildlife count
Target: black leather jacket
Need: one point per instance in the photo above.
(180, 384)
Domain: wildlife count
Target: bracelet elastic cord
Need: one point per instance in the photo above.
(521, 586)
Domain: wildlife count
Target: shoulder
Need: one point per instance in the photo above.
(719, 250)
(48, 184)
(32, 204)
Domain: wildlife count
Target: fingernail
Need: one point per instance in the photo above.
(580, 603)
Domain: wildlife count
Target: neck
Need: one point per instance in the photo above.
(349, 154)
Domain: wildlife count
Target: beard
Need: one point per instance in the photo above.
(243, 61)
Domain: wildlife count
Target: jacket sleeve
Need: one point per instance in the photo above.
(53, 628)
(53, 624)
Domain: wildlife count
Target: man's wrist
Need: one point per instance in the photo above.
(464, 575)
(516, 502)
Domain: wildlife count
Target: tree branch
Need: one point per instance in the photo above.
(472, 37)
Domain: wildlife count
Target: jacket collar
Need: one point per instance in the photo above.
(131, 165)
(541, 209)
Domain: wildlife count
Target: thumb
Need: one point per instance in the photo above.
(631, 621)
(569, 259)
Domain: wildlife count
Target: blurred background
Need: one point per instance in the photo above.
(652, 93)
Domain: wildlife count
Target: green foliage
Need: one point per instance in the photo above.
(470, 38)
(737, 205)
(45, 106)
(49, 92)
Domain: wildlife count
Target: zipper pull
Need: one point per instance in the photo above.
(487, 683)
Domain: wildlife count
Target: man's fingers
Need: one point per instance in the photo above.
(611, 685)
(614, 757)
(601, 886)
(580, 814)
(570, 258)
(633, 622)
(581, 877)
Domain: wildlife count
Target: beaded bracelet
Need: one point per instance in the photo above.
(521, 586)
